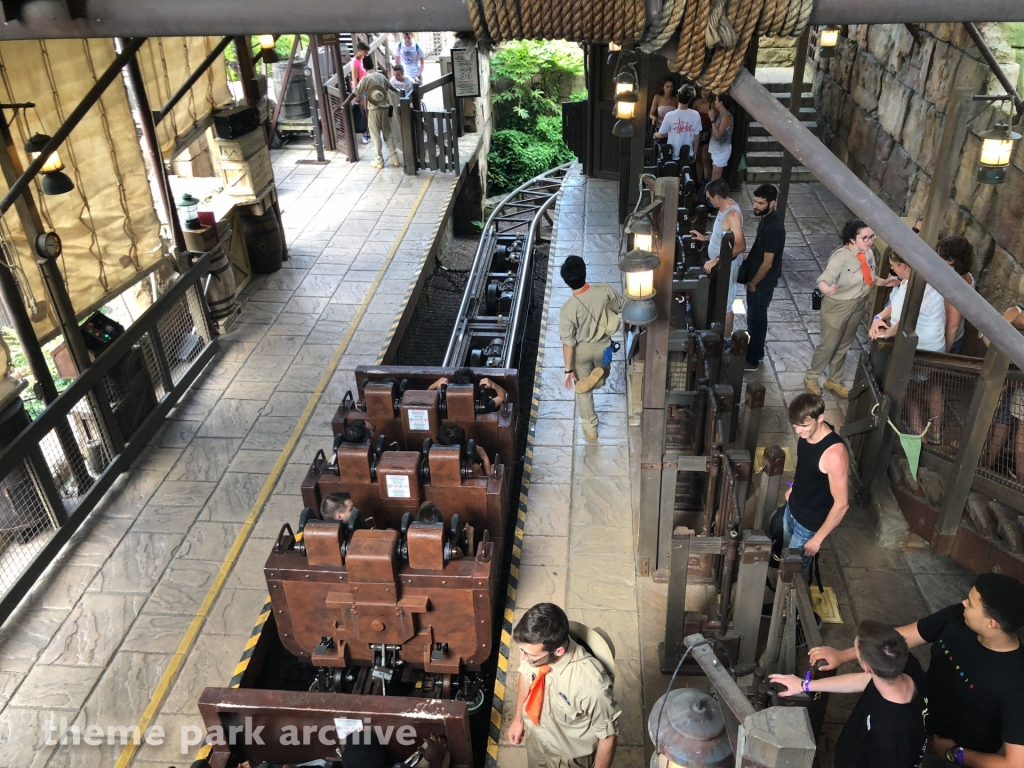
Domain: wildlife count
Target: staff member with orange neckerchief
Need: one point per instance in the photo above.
(565, 707)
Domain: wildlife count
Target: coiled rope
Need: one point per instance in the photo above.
(713, 34)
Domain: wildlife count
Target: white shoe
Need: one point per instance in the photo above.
(365, 140)
(394, 163)
(377, 164)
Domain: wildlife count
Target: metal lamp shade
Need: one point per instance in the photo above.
(623, 129)
(639, 312)
(57, 183)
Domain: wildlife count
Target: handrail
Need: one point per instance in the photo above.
(997, 70)
(375, 44)
(442, 80)
(59, 409)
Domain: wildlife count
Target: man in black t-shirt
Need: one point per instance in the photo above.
(976, 674)
(887, 726)
(761, 270)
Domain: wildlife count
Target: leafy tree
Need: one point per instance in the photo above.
(528, 75)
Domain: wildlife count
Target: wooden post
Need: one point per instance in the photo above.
(675, 612)
(796, 92)
(652, 421)
(246, 71)
(768, 487)
(973, 443)
(754, 402)
(754, 554)
(409, 124)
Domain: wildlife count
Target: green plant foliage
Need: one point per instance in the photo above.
(528, 76)
(21, 370)
(283, 46)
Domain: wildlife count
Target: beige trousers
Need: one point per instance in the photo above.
(538, 757)
(379, 123)
(586, 358)
(839, 323)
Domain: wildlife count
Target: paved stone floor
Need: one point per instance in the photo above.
(578, 548)
(95, 640)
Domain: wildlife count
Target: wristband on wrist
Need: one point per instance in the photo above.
(568, 371)
(807, 682)
(958, 755)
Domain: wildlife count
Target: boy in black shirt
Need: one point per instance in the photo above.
(887, 726)
(976, 674)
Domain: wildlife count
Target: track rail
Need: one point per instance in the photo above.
(491, 318)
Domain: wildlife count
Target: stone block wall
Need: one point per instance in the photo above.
(776, 51)
(883, 101)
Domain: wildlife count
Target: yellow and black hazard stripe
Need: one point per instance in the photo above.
(243, 662)
(505, 648)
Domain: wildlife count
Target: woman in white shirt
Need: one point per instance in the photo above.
(925, 398)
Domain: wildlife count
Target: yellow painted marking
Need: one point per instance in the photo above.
(204, 752)
(519, 536)
(506, 637)
(512, 593)
(492, 747)
(499, 690)
(496, 717)
(508, 615)
(516, 551)
(176, 661)
(514, 570)
(242, 666)
(503, 662)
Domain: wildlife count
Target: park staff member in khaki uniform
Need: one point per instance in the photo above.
(377, 90)
(586, 324)
(565, 708)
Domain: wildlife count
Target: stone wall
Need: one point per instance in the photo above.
(776, 51)
(883, 101)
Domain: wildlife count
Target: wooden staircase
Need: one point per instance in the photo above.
(764, 153)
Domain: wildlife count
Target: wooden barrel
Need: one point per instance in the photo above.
(264, 242)
(294, 97)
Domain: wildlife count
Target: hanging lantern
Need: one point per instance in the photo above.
(625, 104)
(189, 207)
(996, 151)
(268, 47)
(690, 731)
(828, 39)
(638, 266)
(55, 181)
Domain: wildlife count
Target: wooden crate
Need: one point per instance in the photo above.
(247, 178)
(241, 149)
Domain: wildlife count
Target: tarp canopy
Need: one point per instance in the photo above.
(166, 63)
(108, 224)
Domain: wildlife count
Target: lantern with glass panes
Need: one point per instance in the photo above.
(55, 181)
(626, 98)
(638, 266)
(189, 207)
(996, 150)
(828, 39)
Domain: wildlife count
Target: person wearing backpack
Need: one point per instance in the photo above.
(586, 323)
(410, 55)
(565, 709)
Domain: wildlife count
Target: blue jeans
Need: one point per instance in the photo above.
(757, 322)
(794, 536)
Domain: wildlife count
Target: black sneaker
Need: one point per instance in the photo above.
(751, 366)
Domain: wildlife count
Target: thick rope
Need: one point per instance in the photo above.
(664, 26)
(714, 35)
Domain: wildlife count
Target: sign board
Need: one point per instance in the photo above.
(466, 68)
(419, 420)
(398, 487)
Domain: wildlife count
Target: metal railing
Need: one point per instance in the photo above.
(54, 473)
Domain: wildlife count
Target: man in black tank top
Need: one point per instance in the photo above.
(819, 498)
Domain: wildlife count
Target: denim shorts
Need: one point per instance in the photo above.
(794, 536)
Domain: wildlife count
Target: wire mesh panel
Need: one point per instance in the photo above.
(77, 451)
(152, 357)
(26, 522)
(1003, 460)
(129, 390)
(938, 399)
(677, 371)
(184, 333)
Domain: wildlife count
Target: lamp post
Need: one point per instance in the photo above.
(828, 39)
(638, 266)
(55, 181)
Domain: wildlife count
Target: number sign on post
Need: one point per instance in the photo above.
(466, 68)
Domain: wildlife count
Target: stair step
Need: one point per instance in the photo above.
(758, 159)
(774, 175)
(782, 87)
(808, 97)
(756, 129)
(763, 144)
